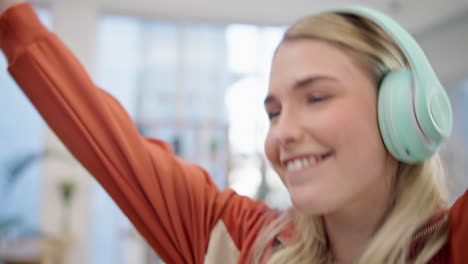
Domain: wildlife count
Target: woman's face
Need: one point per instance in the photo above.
(324, 139)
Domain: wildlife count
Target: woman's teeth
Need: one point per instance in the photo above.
(302, 163)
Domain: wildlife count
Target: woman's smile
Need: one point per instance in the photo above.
(300, 168)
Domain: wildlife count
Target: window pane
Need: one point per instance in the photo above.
(178, 81)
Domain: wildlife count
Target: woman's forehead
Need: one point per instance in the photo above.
(300, 59)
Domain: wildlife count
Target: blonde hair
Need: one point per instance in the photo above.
(420, 188)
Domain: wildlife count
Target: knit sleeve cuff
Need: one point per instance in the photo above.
(19, 27)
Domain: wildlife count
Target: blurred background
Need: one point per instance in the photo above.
(193, 73)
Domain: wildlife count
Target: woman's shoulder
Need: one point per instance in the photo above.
(458, 226)
(233, 237)
(454, 251)
(459, 212)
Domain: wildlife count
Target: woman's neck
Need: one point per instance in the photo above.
(349, 236)
(349, 230)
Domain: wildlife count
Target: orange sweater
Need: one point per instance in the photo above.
(174, 204)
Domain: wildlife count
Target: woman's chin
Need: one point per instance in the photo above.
(310, 205)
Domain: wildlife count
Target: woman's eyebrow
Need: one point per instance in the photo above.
(301, 84)
(310, 80)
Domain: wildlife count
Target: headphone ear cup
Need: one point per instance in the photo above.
(397, 120)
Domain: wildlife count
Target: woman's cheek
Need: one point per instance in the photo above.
(269, 149)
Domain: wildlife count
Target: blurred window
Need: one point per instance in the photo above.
(198, 86)
(22, 143)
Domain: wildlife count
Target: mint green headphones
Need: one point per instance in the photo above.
(414, 110)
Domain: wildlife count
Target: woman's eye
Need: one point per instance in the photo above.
(316, 99)
(273, 114)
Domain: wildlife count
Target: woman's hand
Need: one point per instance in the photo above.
(4, 4)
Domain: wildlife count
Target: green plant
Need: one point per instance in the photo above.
(67, 189)
(13, 171)
(8, 223)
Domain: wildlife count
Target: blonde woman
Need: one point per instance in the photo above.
(355, 201)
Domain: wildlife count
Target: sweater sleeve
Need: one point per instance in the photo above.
(173, 204)
(458, 239)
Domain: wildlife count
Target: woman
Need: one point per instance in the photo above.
(353, 201)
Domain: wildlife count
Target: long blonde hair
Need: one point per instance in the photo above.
(420, 189)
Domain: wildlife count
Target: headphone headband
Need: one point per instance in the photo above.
(419, 63)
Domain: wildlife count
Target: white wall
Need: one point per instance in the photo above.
(446, 47)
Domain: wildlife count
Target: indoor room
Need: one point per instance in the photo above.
(195, 75)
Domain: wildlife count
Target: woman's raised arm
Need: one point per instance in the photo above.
(173, 204)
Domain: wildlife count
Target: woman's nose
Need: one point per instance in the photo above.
(289, 129)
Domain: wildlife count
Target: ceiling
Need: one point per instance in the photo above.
(415, 15)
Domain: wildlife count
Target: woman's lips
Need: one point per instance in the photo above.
(296, 170)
